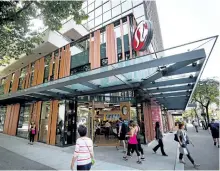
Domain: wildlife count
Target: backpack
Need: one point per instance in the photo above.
(215, 126)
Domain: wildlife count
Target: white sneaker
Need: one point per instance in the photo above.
(196, 165)
(181, 161)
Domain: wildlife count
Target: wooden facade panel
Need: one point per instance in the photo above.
(68, 60)
(91, 52)
(111, 44)
(97, 55)
(7, 119)
(16, 81)
(15, 116)
(61, 68)
(54, 122)
(10, 120)
(148, 122)
(51, 67)
(40, 75)
(7, 84)
(56, 69)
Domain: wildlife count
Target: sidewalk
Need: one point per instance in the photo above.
(107, 158)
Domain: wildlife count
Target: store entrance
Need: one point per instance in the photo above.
(102, 120)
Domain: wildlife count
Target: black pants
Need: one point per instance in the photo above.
(189, 157)
(31, 137)
(196, 128)
(160, 144)
(133, 147)
(107, 132)
(139, 148)
(84, 167)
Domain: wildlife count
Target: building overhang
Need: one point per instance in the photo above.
(171, 85)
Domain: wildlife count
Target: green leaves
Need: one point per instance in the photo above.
(206, 92)
(17, 35)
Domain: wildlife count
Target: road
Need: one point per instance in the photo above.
(12, 161)
(204, 152)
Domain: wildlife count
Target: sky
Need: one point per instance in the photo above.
(183, 21)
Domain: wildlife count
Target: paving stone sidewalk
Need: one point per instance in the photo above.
(107, 158)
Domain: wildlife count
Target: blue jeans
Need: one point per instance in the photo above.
(84, 167)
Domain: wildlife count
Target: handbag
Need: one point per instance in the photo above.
(93, 160)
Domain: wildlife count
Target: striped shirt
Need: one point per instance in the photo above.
(83, 148)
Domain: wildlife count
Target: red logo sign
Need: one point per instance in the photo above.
(142, 36)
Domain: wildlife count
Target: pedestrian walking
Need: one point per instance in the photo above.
(203, 124)
(107, 129)
(84, 154)
(132, 143)
(183, 140)
(195, 124)
(32, 132)
(159, 138)
(122, 133)
(214, 129)
(140, 149)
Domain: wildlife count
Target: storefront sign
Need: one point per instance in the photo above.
(142, 36)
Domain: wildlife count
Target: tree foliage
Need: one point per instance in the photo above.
(189, 114)
(17, 35)
(206, 93)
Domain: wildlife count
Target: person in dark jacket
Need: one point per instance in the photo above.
(159, 138)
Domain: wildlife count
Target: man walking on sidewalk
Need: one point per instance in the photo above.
(195, 124)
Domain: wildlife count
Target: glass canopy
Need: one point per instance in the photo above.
(170, 80)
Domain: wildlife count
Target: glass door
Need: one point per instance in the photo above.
(43, 130)
(2, 117)
(22, 129)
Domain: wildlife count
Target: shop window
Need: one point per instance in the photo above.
(137, 2)
(126, 5)
(116, 11)
(98, 20)
(23, 129)
(106, 7)
(84, 5)
(91, 15)
(43, 129)
(2, 84)
(115, 3)
(91, 7)
(91, 24)
(107, 16)
(47, 60)
(98, 3)
(2, 117)
(98, 11)
(138, 11)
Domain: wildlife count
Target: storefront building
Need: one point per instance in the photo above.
(112, 71)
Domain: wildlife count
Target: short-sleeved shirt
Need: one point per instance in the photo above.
(83, 150)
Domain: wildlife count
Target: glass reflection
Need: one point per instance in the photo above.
(43, 130)
(2, 117)
(60, 124)
(22, 130)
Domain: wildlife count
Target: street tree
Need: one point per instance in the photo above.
(17, 33)
(206, 93)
